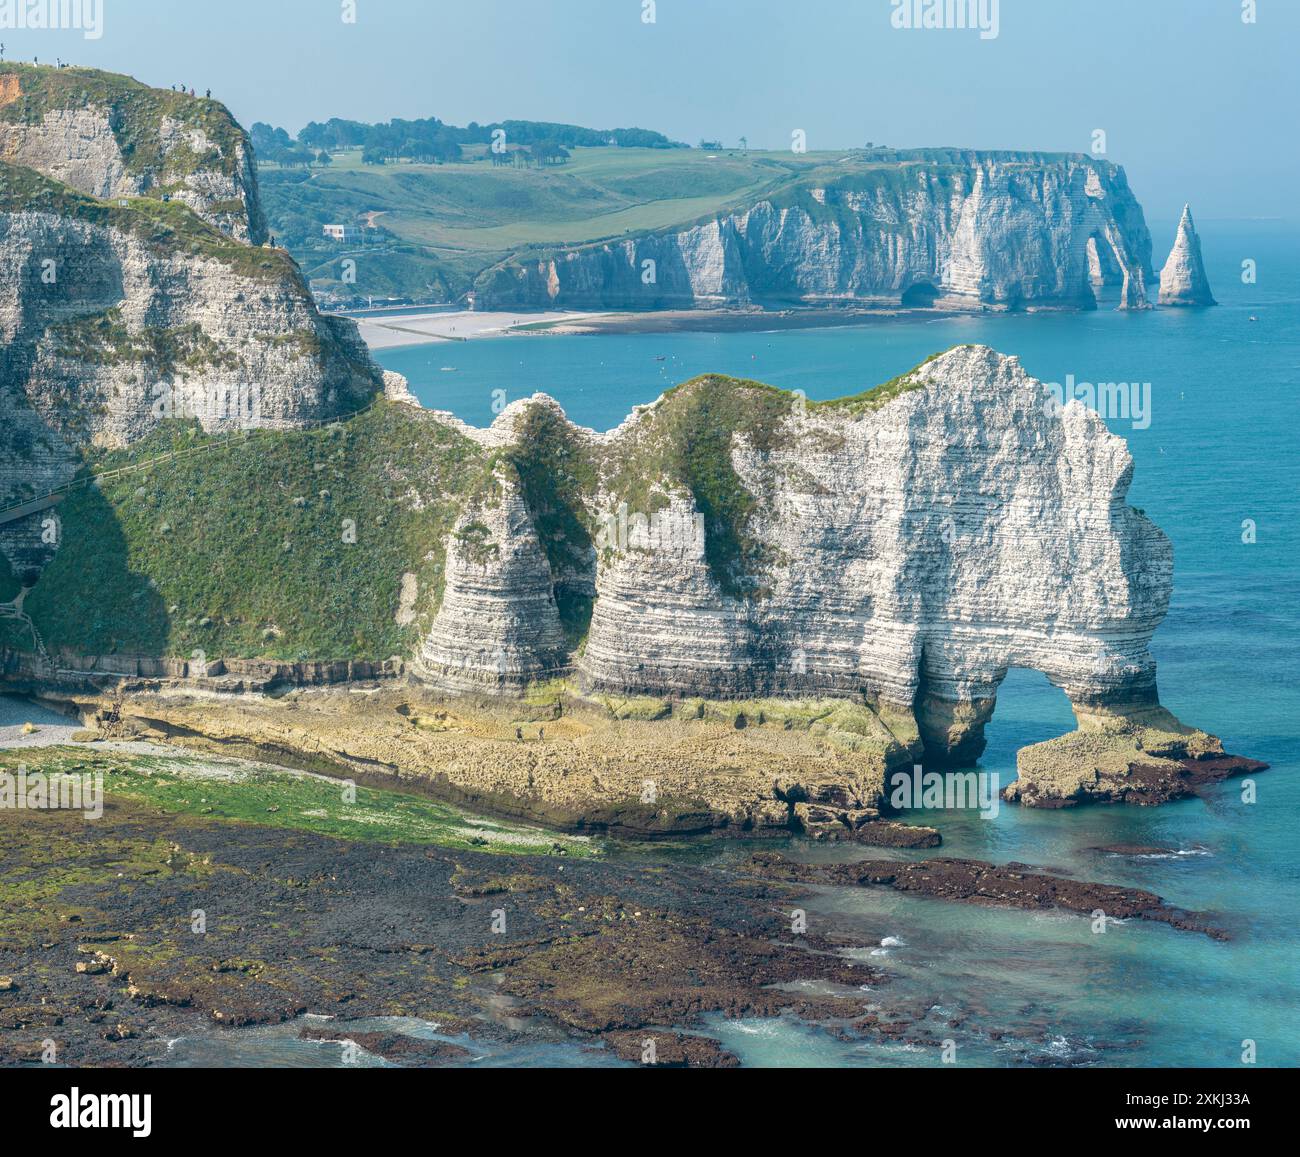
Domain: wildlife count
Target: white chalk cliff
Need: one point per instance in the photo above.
(498, 615)
(932, 228)
(111, 137)
(131, 292)
(1183, 280)
(909, 547)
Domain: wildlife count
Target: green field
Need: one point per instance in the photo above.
(442, 225)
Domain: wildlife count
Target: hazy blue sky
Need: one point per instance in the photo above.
(1196, 104)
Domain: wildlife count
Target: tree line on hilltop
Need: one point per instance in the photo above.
(430, 141)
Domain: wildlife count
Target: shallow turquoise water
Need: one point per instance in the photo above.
(1222, 447)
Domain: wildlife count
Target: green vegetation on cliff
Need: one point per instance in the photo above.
(292, 545)
(878, 396)
(138, 116)
(283, 545)
(686, 442)
(168, 228)
(103, 339)
(556, 472)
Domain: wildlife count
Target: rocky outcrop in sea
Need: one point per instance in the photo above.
(904, 549)
(1183, 280)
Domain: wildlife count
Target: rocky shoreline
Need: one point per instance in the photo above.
(640, 769)
(626, 955)
(1146, 759)
(570, 764)
(102, 955)
(1012, 885)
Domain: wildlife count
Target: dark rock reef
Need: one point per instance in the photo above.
(995, 885)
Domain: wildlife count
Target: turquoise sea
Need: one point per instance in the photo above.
(1222, 447)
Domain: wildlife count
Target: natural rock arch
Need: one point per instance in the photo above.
(956, 734)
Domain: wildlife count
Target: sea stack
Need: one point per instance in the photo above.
(1183, 280)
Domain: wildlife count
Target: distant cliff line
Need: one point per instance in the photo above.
(929, 228)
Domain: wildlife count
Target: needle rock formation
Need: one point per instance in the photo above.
(1183, 280)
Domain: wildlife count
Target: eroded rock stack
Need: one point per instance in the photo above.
(498, 626)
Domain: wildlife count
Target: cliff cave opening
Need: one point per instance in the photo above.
(922, 295)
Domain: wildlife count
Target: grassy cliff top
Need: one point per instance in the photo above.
(819, 184)
(753, 408)
(685, 442)
(28, 92)
(166, 227)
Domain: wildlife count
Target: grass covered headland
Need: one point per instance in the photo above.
(329, 543)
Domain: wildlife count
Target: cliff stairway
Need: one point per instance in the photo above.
(14, 611)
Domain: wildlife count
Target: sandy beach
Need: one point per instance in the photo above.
(727, 320)
(400, 330)
(397, 330)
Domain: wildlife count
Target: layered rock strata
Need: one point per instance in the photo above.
(498, 625)
(932, 228)
(111, 137)
(906, 549)
(125, 303)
